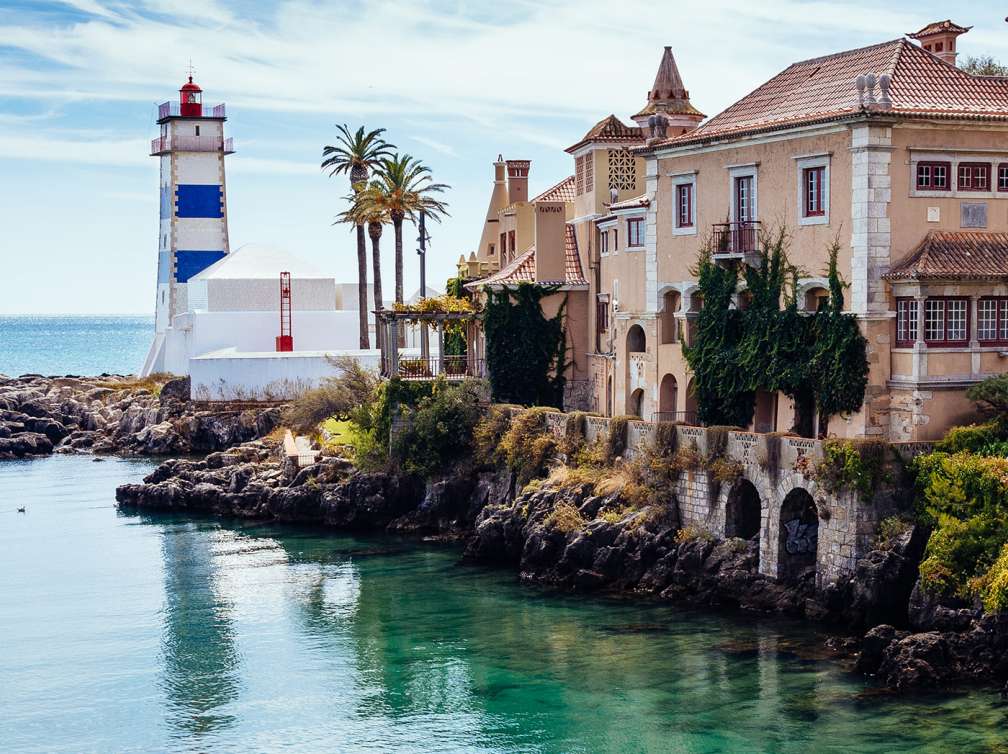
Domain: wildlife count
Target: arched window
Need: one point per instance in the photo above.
(816, 297)
(635, 406)
(742, 511)
(668, 396)
(669, 323)
(636, 340)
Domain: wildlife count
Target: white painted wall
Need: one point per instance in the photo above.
(312, 294)
(199, 233)
(257, 331)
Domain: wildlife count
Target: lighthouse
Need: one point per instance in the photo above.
(192, 230)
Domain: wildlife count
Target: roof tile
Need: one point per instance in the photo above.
(955, 255)
(562, 192)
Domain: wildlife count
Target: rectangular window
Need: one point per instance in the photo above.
(684, 205)
(490, 250)
(812, 183)
(933, 176)
(1002, 177)
(946, 320)
(511, 241)
(744, 199)
(906, 321)
(503, 244)
(635, 232)
(992, 320)
(602, 316)
(974, 176)
(604, 242)
(579, 166)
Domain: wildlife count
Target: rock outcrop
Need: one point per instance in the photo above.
(109, 414)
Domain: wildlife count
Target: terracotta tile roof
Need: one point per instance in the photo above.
(523, 268)
(562, 192)
(963, 255)
(572, 260)
(637, 201)
(608, 129)
(823, 89)
(938, 27)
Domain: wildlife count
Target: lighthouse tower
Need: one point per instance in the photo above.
(193, 232)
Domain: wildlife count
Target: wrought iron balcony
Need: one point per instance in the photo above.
(736, 239)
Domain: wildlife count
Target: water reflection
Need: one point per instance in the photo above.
(200, 662)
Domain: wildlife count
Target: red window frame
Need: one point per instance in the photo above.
(684, 205)
(929, 184)
(907, 322)
(635, 226)
(1002, 177)
(944, 340)
(1000, 320)
(973, 176)
(812, 188)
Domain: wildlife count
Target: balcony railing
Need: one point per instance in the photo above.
(163, 144)
(172, 110)
(736, 238)
(451, 367)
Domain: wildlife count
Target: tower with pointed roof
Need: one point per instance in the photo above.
(669, 97)
(498, 200)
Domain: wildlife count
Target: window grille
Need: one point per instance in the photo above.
(906, 321)
(622, 171)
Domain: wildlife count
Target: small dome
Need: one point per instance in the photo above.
(190, 87)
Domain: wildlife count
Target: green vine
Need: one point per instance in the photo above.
(525, 351)
(818, 360)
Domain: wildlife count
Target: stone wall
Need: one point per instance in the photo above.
(779, 471)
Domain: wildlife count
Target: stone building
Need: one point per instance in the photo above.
(890, 148)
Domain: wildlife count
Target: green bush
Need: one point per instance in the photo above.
(857, 465)
(975, 438)
(993, 586)
(336, 397)
(991, 394)
(439, 431)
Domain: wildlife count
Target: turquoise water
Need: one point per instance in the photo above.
(74, 345)
(152, 633)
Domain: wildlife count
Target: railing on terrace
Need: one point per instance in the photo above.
(451, 367)
(674, 417)
(163, 144)
(172, 110)
(735, 238)
(298, 450)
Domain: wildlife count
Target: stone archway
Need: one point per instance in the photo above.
(798, 536)
(635, 404)
(636, 341)
(743, 511)
(668, 398)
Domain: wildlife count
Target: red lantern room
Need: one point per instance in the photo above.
(190, 100)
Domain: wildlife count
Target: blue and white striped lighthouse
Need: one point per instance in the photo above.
(193, 231)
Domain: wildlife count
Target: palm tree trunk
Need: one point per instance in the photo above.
(397, 226)
(376, 267)
(362, 288)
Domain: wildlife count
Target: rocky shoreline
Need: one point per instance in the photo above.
(902, 638)
(114, 414)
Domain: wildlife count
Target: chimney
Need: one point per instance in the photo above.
(939, 39)
(550, 238)
(517, 175)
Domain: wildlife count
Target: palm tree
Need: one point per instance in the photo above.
(356, 154)
(364, 210)
(406, 188)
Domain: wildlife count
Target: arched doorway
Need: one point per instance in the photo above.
(635, 406)
(743, 511)
(668, 396)
(636, 341)
(690, 417)
(799, 535)
(669, 323)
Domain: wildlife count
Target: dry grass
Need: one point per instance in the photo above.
(565, 518)
(693, 534)
(152, 383)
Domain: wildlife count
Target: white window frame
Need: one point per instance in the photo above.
(803, 164)
(686, 179)
(743, 171)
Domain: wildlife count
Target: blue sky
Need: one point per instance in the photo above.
(455, 83)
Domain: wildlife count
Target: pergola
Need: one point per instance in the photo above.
(424, 366)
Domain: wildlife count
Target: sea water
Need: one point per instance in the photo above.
(139, 632)
(84, 345)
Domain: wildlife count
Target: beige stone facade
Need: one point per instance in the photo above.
(888, 146)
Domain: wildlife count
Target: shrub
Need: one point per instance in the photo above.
(488, 433)
(666, 439)
(991, 394)
(890, 529)
(439, 431)
(574, 432)
(337, 397)
(565, 518)
(725, 470)
(687, 458)
(993, 587)
(525, 447)
(693, 533)
(591, 455)
(857, 465)
(616, 440)
(975, 438)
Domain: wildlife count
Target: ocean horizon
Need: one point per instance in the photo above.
(82, 344)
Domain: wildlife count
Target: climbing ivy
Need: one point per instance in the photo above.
(525, 351)
(819, 360)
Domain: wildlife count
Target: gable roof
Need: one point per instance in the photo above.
(955, 255)
(939, 27)
(610, 129)
(824, 89)
(561, 192)
(522, 269)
